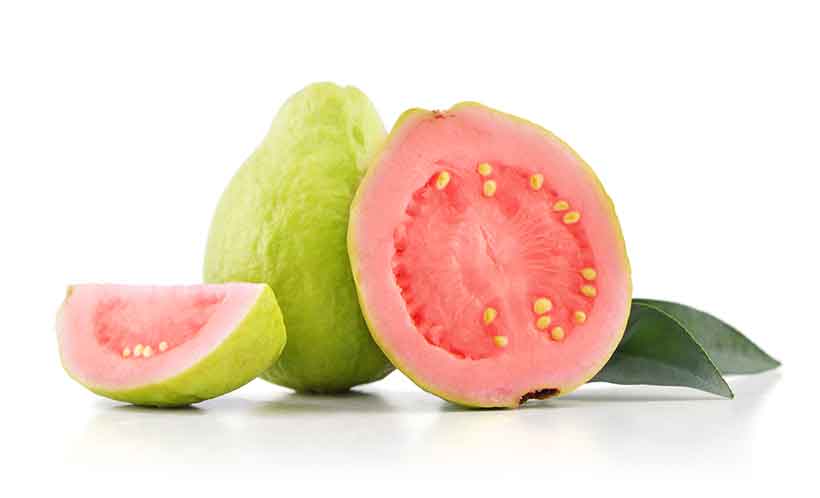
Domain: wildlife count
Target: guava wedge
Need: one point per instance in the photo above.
(169, 345)
(283, 221)
(488, 259)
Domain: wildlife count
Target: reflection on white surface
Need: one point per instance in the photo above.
(388, 426)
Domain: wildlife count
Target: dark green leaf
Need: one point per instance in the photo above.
(730, 350)
(657, 349)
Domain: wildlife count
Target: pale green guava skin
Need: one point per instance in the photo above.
(257, 341)
(283, 221)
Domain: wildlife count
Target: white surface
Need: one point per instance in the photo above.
(119, 127)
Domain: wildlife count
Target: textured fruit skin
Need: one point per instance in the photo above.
(283, 221)
(256, 342)
(545, 391)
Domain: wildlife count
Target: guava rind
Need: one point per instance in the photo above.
(544, 391)
(251, 347)
(283, 221)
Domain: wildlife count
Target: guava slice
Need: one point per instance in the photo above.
(169, 345)
(283, 221)
(488, 259)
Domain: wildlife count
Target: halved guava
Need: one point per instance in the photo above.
(488, 259)
(171, 345)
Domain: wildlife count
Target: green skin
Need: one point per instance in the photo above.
(283, 221)
(256, 342)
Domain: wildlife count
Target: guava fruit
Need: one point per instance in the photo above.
(283, 221)
(169, 345)
(488, 259)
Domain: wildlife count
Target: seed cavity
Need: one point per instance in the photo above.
(489, 315)
(541, 305)
(537, 181)
(579, 317)
(163, 346)
(442, 180)
(560, 206)
(540, 278)
(138, 350)
(147, 351)
(589, 273)
(572, 217)
(126, 352)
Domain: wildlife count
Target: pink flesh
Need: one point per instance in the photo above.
(503, 252)
(98, 322)
(430, 261)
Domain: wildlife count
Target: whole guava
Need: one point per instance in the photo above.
(283, 221)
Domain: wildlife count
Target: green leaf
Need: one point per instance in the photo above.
(730, 350)
(657, 349)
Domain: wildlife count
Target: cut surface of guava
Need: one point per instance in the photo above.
(488, 259)
(168, 345)
(283, 219)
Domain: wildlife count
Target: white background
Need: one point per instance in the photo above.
(121, 124)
